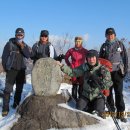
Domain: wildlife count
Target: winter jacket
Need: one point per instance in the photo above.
(13, 56)
(116, 53)
(91, 90)
(78, 57)
(42, 51)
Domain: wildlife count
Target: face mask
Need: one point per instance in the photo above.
(19, 40)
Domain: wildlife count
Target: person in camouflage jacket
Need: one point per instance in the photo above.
(97, 79)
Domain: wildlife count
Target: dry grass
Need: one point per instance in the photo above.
(1, 68)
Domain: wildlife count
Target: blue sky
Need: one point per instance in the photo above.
(76, 17)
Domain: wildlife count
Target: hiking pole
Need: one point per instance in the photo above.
(109, 109)
(96, 83)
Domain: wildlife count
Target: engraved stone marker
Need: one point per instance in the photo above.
(46, 77)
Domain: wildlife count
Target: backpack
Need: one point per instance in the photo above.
(107, 51)
(106, 63)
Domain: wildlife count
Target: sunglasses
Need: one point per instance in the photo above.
(20, 35)
(44, 36)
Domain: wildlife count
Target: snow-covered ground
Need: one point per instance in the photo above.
(105, 124)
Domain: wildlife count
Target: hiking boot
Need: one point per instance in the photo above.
(123, 120)
(121, 117)
(5, 113)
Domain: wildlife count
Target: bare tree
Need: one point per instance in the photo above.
(63, 43)
(126, 42)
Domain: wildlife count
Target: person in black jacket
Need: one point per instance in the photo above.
(114, 51)
(43, 48)
(14, 63)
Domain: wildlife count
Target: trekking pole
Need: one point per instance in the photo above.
(108, 106)
(109, 109)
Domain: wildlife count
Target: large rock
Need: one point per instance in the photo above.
(46, 77)
(42, 113)
(41, 110)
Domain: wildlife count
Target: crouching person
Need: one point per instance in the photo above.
(97, 80)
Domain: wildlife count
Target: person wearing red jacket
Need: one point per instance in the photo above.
(75, 57)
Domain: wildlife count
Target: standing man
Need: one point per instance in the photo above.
(13, 60)
(78, 56)
(114, 51)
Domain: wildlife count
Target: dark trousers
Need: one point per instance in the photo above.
(118, 89)
(76, 90)
(84, 104)
(12, 77)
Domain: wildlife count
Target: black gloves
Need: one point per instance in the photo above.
(60, 57)
(94, 78)
(94, 81)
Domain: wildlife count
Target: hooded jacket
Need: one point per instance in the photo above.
(13, 56)
(78, 57)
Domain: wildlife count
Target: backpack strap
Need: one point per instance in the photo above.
(104, 51)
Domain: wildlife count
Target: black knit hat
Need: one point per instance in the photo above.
(92, 53)
(44, 33)
(19, 31)
(110, 31)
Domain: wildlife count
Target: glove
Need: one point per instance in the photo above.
(106, 92)
(93, 81)
(93, 78)
(60, 57)
(21, 45)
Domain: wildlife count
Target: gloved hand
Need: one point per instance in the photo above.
(106, 92)
(93, 77)
(21, 45)
(60, 57)
(94, 81)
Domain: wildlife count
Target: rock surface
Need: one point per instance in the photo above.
(42, 113)
(46, 77)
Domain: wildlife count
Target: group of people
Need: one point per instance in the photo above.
(96, 80)
(90, 79)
